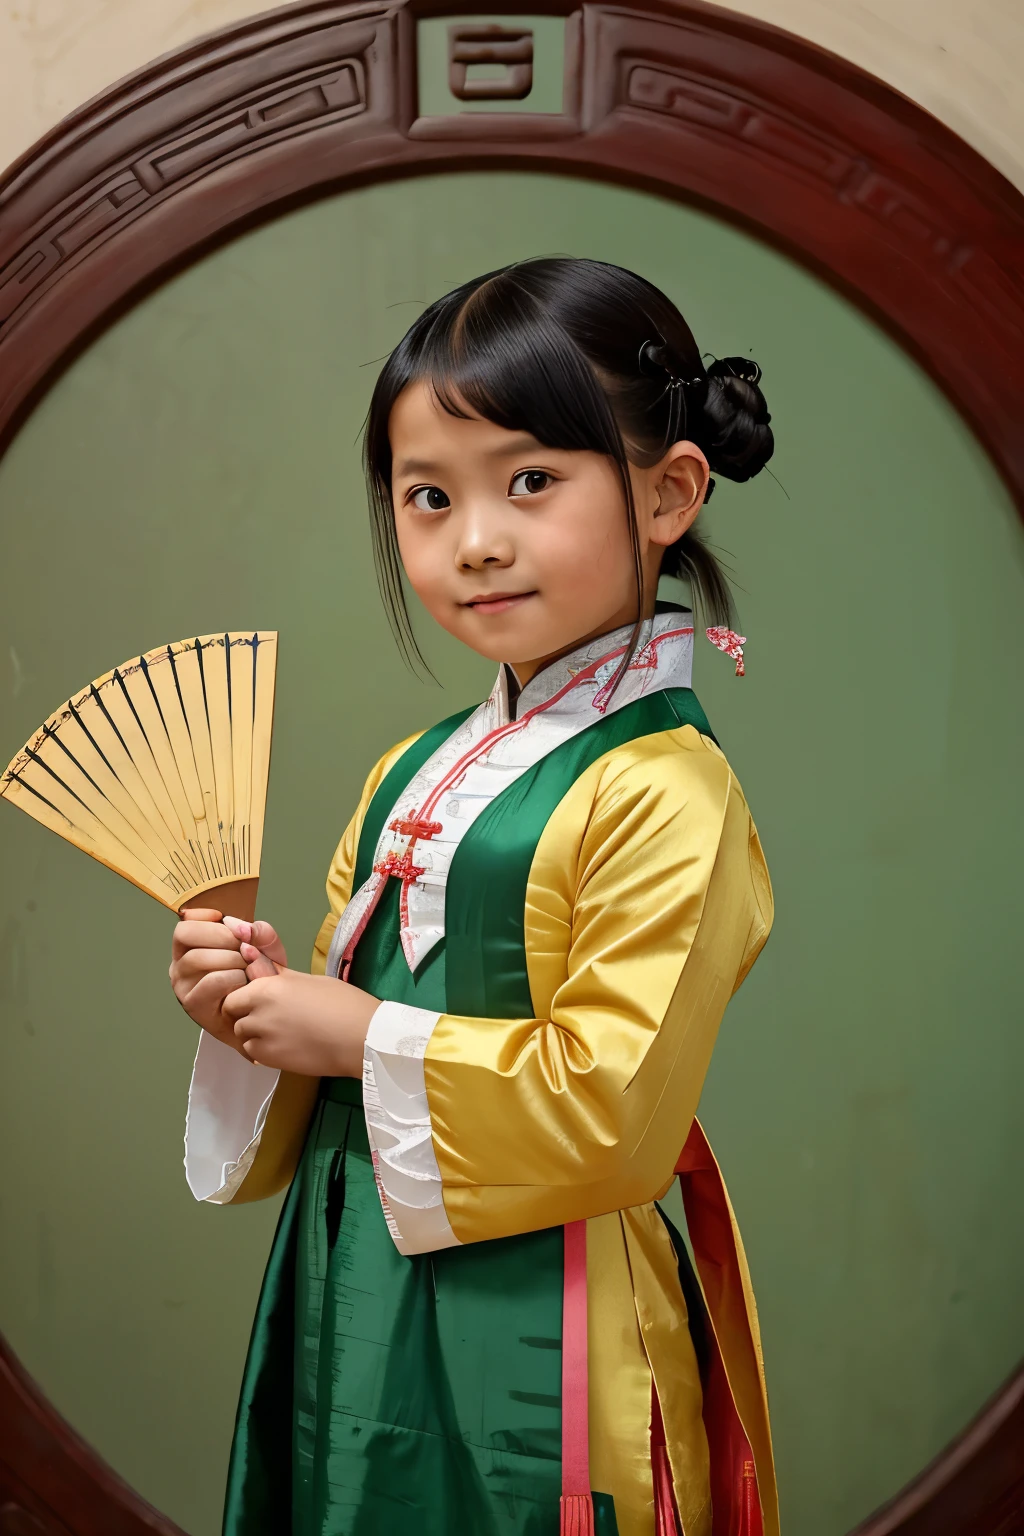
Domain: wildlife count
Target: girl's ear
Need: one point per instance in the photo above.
(681, 482)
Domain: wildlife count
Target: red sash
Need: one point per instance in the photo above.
(734, 1493)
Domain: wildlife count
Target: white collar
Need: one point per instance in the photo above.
(487, 753)
(663, 658)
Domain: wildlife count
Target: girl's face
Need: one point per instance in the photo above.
(523, 552)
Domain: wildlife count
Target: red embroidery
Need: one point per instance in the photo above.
(385, 1205)
(645, 660)
(402, 868)
(732, 644)
(419, 829)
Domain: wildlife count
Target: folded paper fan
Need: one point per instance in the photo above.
(159, 769)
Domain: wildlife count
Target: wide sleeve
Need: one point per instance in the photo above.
(246, 1123)
(648, 902)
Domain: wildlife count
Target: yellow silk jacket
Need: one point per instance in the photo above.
(648, 901)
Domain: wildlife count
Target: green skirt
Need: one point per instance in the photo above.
(385, 1396)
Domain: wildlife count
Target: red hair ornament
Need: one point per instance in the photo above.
(729, 642)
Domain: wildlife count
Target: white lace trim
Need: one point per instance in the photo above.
(228, 1101)
(398, 1127)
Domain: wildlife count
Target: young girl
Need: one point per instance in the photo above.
(475, 1318)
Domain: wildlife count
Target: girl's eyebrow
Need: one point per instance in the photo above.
(415, 467)
(513, 450)
(526, 443)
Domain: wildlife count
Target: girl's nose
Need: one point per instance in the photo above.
(482, 543)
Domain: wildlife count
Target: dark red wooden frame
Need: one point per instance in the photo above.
(685, 99)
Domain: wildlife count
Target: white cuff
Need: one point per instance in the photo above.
(398, 1127)
(228, 1100)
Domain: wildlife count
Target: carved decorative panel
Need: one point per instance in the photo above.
(830, 164)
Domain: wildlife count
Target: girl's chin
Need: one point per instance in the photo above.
(518, 635)
(507, 636)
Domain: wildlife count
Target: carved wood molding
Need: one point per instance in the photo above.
(685, 99)
(51, 1482)
(975, 1487)
(821, 159)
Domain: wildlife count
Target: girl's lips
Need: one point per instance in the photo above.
(501, 602)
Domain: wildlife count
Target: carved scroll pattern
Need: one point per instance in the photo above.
(313, 98)
(846, 172)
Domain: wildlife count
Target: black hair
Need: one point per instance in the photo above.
(582, 355)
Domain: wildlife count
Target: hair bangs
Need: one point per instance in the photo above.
(513, 364)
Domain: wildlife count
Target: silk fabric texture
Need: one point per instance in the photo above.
(646, 901)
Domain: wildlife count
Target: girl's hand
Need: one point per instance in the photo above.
(206, 967)
(312, 1025)
(261, 949)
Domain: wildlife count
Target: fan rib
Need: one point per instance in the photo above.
(188, 822)
(252, 735)
(193, 791)
(41, 763)
(111, 831)
(17, 778)
(231, 759)
(51, 735)
(150, 747)
(196, 781)
(158, 769)
(199, 815)
(76, 714)
(108, 717)
(241, 757)
(126, 805)
(119, 679)
(137, 789)
(197, 643)
(263, 709)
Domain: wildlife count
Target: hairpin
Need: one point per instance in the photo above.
(731, 644)
(652, 357)
(736, 368)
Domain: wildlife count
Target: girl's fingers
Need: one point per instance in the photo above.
(259, 968)
(208, 994)
(261, 936)
(239, 1003)
(240, 928)
(266, 938)
(257, 963)
(195, 963)
(201, 935)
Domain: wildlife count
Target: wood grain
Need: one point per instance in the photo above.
(705, 105)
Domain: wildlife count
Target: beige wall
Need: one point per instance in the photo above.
(961, 59)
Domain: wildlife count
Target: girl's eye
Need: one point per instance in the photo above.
(430, 498)
(529, 482)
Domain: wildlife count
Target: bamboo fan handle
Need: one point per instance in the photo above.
(235, 898)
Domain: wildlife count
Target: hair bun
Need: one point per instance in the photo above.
(739, 435)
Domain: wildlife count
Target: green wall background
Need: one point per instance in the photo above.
(197, 469)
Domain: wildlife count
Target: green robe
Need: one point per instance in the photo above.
(385, 1395)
